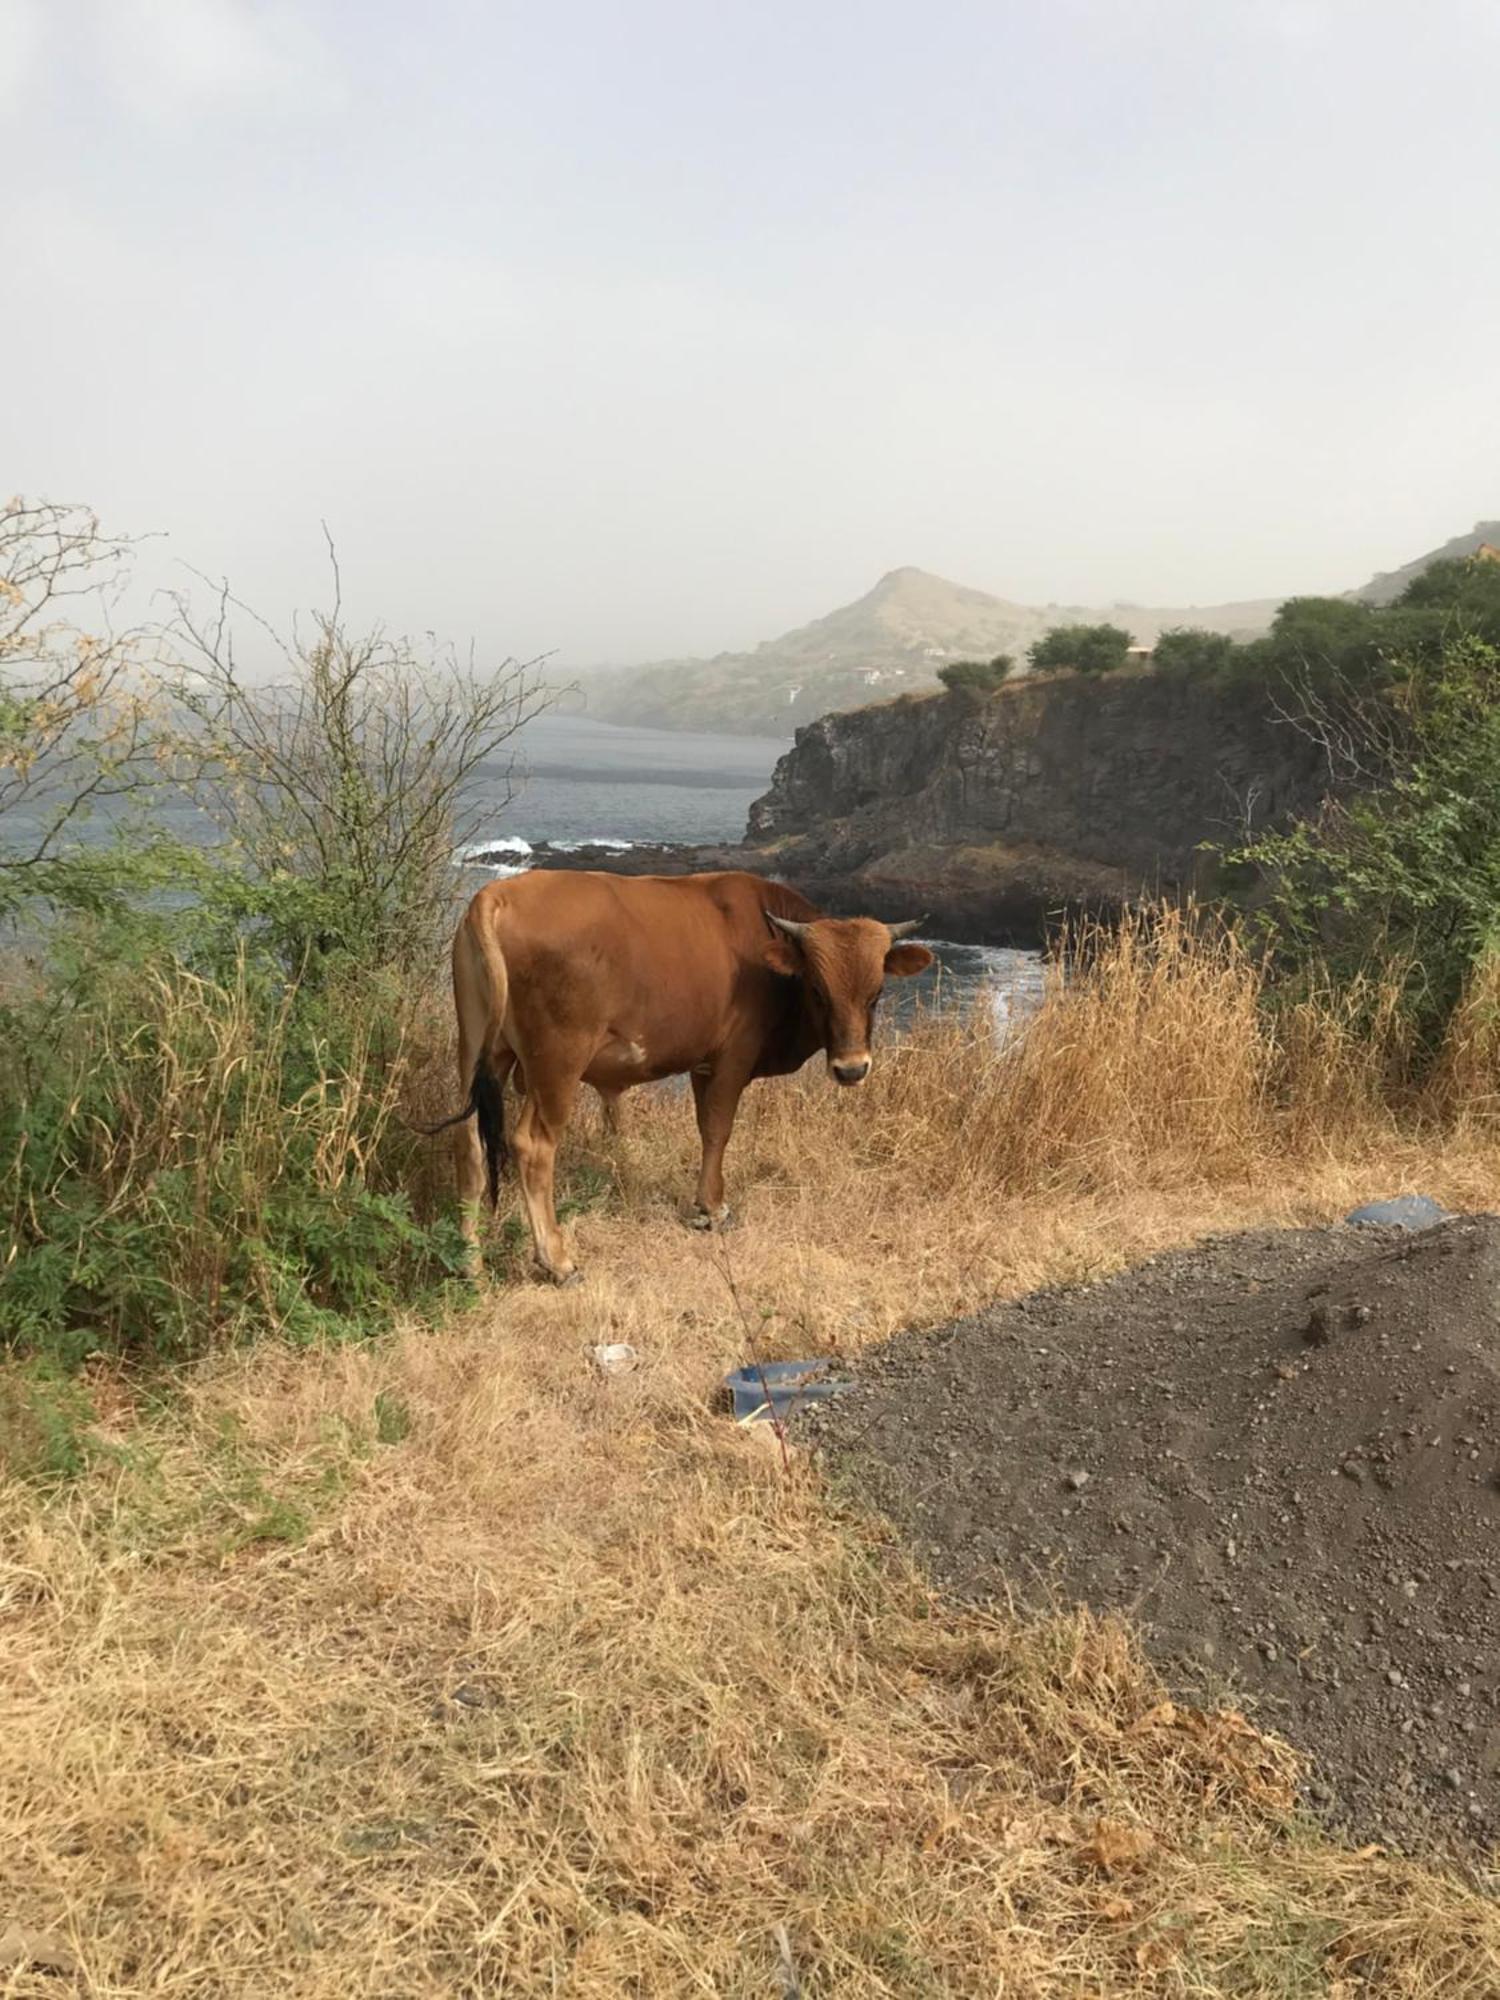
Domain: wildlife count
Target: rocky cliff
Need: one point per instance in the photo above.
(1054, 791)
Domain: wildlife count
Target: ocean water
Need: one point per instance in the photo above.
(579, 780)
(589, 781)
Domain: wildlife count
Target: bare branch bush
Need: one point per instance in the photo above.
(1362, 729)
(74, 704)
(355, 771)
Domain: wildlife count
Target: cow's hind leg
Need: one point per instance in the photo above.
(540, 1124)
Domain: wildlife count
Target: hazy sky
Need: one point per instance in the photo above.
(661, 326)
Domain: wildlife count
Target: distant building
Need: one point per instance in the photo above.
(1139, 656)
(869, 675)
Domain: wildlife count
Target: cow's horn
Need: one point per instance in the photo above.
(906, 929)
(788, 925)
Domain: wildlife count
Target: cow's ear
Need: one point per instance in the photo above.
(781, 956)
(902, 960)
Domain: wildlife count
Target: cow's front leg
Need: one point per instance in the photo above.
(717, 1098)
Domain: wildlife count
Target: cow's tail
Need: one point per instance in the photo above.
(491, 1067)
(486, 1100)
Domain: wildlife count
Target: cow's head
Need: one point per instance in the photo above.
(843, 963)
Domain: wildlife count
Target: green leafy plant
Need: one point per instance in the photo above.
(1190, 653)
(1338, 644)
(185, 1159)
(1087, 649)
(1401, 869)
(976, 676)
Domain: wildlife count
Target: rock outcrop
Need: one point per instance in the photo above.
(1052, 792)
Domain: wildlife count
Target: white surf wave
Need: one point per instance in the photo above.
(483, 850)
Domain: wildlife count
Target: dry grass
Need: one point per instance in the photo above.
(444, 1666)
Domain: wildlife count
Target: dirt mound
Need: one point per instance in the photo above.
(1278, 1452)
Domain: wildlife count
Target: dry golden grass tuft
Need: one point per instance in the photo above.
(445, 1666)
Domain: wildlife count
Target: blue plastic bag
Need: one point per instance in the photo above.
(1402, 1211)
(787, 1383)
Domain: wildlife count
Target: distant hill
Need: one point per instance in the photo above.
(1386, 588)
(892, 639)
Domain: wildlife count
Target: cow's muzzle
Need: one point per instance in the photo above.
(850, 1069)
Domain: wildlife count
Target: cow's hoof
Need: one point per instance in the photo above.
(707, 1219)
(572, 1276)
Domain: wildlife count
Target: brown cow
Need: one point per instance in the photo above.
(616, 980)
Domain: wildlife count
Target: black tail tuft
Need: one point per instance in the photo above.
(487, 1104)
(487, 1101)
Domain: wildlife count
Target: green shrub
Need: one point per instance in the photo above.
(1323, 645)
(1087, 649)
(1401, 869)
(1190, 653)
(976, 676)
(187, 1158)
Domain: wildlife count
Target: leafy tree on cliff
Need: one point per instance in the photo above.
(1088, 649)
(976, 676)
(1191, 653)
(1325, 638)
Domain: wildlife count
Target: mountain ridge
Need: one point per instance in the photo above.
(894, 638)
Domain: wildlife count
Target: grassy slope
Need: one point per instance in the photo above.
(443, 1666)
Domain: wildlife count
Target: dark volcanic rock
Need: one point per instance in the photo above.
(666, 859)
(1055, 790)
